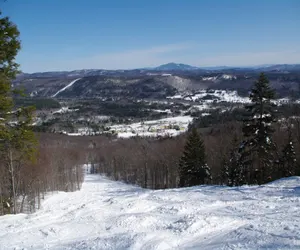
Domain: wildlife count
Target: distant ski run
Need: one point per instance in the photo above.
(66, 87)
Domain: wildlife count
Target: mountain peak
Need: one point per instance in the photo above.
(175, 66)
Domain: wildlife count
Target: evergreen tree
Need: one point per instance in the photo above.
(233, 170)
(17, 142)
(193, 169)
(288, 159)
(258, 145)
(297, 170)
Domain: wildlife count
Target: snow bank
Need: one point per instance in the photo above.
(113, 215)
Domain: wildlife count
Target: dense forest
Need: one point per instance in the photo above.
(155, 162)
(57, 167)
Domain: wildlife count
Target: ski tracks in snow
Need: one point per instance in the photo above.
(112, 215)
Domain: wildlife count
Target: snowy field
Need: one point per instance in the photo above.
(113, 215)
(154, 128)
(215, 96)
(219, 96)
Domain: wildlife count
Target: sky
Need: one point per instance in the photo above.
(61, 35)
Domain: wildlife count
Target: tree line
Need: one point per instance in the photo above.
(57, 166)
(28, 169)
(257, 149)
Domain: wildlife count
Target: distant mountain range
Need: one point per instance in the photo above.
(268, 67)
(168, 67)
(157, 83)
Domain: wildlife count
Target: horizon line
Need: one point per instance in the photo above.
(153, 68)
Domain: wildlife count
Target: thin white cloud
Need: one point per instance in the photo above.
(133, 58)
(119, 60)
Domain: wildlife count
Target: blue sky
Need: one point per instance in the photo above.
(124, 34)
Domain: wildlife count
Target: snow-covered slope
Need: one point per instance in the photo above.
(154, 128)
(216, 96)
(66, 87)
(223, 76)
(113, 215)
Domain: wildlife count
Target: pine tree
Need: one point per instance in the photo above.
(257, 129)
(193, 169)
(17, 142)
(233, 170)
(288, 158)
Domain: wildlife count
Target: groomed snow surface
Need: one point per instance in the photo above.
(111, 215)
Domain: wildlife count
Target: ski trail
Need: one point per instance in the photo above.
(106, 214)
(66, 87)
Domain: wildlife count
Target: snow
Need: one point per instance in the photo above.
(172, 126)
(152, 74)
(202, 107)
(163, 111)
(228, 77)
(183, 119)
(66, 87)
(175, 97)
(280, 101)
(82, 131)
(101, 118)
(154, 128)
(64, 110)
(34, 93)
(209, 78)
(258, 116)
(217, 96)
(112, 215)
(214, 78)
(166, 132)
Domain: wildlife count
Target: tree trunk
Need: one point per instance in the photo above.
(22, 203)
(12, 180)
(1, 202)
(145, 175)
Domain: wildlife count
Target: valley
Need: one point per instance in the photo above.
(113, 102)
(149, 125)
